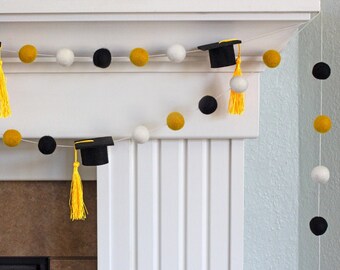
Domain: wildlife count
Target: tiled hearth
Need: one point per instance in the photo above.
(35, 222)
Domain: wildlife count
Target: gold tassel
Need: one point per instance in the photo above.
(236, 100)
(5, 109)
(78, 210)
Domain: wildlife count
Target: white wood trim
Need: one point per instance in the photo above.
(236, 204)
(164, 16)
(74, 105)
(104, 216)
(178, 204)
(116, 6)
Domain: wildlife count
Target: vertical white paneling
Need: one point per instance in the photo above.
(236, 204)
(133, 209)
(171, 205)
(104, 214)
(156, 188)
(219, 204)
(206, 205)
(171, 175)
(196, 179)
(182, 204)
(147, 228)
(121, 203)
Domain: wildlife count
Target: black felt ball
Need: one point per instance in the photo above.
(321, 71)
(47, 145)
(318, 225)
(207, 104)
(102, 58)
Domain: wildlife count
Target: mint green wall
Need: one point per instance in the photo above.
(272, 171)
(280, 197)
(309, 104)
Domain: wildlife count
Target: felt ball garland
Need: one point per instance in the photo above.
(176, 53)
(239, 84)
(47, 145)
(175, 121)
(207, 105)
(322, 125)
(65, 57)
(320, 174)
(102, 58)
(271, 58)
(139, 57)
(321, 71)
(12, 138)
(318, 225)
(141, 134)
(28, 54)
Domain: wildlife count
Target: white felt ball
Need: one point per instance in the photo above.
(238, 84)
(65, 57)
(320, 174)
(141, 134)
(176, 53)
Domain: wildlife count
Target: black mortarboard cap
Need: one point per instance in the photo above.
(94, 151)
(221, 54)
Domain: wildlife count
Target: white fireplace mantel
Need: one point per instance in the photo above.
(86, 101)
(175, 202)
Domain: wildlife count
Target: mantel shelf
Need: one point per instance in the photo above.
(85, 101)
(156, 17)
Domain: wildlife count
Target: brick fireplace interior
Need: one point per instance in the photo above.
(34, 221)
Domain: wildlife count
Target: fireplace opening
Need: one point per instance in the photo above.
(35, 221)
(24, 263)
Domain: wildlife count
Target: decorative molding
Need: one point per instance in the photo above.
(160, 16)
(155, 6)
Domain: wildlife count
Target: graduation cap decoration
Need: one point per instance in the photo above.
(221, 53)
(93, 153)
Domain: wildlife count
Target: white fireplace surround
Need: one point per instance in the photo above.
(175, 202)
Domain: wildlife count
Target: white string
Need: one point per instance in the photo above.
(320, 137)
(123, 139)
(58, 145)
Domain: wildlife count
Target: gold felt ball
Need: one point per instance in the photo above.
(27, 54)
(139, 57)
(175, 121)
(322, 123)
(272, 58)
(12, 138)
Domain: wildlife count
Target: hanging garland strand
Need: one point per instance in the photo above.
(322, 124)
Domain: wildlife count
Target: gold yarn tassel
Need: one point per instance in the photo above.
(78, 210)
(236, 100)
(5, 108)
